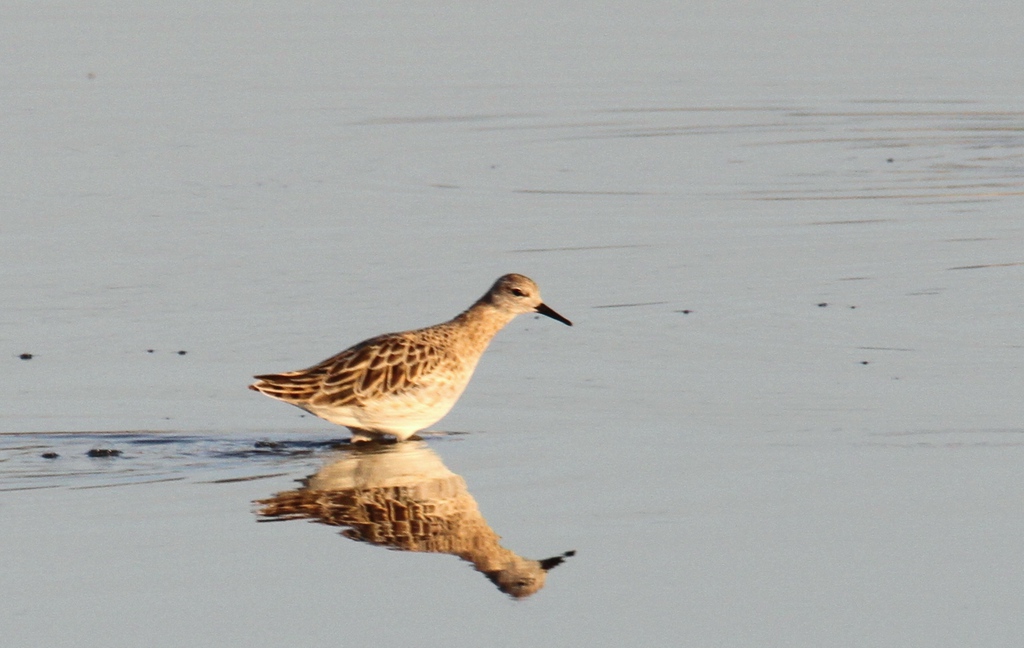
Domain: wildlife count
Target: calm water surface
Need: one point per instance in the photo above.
(789, 412)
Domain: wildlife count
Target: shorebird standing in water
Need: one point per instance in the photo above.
(401, 383)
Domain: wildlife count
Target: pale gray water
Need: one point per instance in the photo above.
(262, 187)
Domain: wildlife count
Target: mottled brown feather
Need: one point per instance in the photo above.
(381, 366)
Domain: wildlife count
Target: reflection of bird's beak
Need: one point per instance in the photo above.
(544, 309)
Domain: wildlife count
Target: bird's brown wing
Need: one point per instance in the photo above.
(381, 366)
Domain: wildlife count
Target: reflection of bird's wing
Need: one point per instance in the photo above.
(382, 366)
(436, 514)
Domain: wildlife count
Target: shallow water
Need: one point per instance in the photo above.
(789, 239)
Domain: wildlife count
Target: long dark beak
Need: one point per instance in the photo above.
(544, 309)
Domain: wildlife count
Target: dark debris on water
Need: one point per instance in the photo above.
(103, 452)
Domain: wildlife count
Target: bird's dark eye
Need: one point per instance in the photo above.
(518, 293)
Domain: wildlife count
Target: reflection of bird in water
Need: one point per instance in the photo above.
(401, 383)
(403, 497)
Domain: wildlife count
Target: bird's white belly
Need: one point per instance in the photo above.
(401, 415)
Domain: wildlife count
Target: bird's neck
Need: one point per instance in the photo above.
(483, 321)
